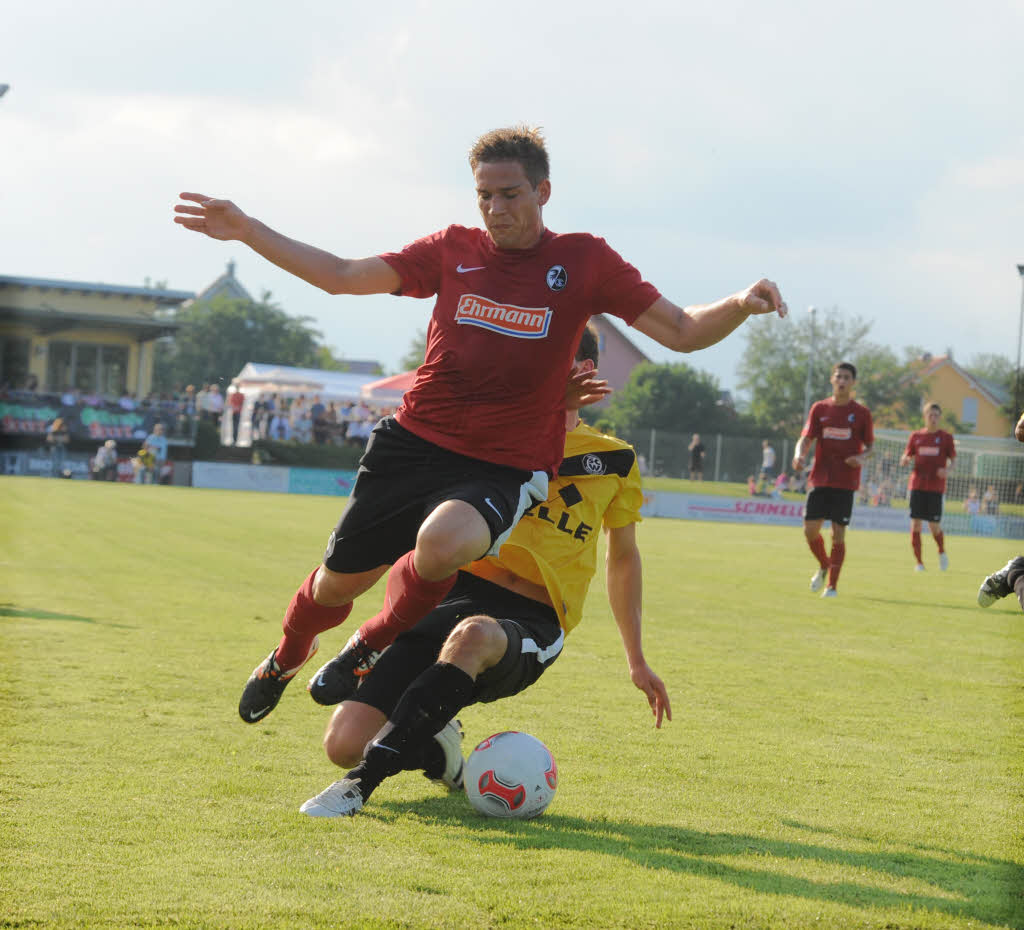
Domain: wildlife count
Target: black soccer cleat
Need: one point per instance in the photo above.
(338, 679)
(266, 685)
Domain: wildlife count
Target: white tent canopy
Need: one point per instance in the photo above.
(256, 378)
(284, 381)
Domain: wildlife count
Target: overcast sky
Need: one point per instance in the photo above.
(867, 155)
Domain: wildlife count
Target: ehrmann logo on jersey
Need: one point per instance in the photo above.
(521, 322)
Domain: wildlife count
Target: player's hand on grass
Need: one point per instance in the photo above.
(218, 219)
(763, 297)
(584, 388)
(644, 678)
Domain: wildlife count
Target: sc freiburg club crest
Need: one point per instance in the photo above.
(557, 277)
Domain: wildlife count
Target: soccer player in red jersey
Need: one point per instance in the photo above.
(445, 479)
(845, 435)
(931, 450)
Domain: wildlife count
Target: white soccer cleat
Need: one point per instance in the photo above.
(450, 740)
(830, 592)
(919, 567)
(342, 799)
(943, 561)
(995, 586)
(818, 579)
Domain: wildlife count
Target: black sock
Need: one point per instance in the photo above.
(436, 696)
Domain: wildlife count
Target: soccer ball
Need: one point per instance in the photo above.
(511, 774)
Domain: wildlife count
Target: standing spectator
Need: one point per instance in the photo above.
(236, 401)
(214, 404)
(303, 425)
(990, 500)
(280, 429)
(318, 412)
(845, 434)
(931, 451)
(971, 503)
(767, 460)
(57, 439)
(696, 448)
(127, 402)
(104, 465)
(157, 443)
(201, 409)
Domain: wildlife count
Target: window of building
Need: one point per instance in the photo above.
(970, 411)
(13, 361)
(88, 367)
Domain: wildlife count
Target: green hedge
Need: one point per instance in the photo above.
(305, 455)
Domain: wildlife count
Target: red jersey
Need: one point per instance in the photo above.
(931, 451)
(841, 431)
(502, 337)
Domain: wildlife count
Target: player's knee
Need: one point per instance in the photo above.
(438, 554)
(476, 642)
(341, 748)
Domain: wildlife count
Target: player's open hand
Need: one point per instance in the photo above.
(763, 297)
(218, 219)
(584, 388)
(644, 678)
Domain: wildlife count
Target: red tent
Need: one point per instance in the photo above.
(388, 391)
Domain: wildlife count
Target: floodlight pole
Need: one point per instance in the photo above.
(1020, 330)
(810, 362)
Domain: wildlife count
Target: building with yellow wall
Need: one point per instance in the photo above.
(973, 401)
(97, 338)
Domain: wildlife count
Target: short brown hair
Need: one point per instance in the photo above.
(932, 406)
(849, 366)
(588, 346)
(522, 144)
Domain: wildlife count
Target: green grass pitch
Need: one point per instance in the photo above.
(856, 763)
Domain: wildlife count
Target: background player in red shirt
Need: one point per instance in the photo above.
(845, 435)
(445, 479)
(932, 452)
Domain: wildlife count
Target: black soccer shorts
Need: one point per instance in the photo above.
(401, 479)
(834, 504)
(534, 642)
(926, 505)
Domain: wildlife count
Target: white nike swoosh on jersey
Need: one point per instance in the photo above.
(462, 270)
(487, 501)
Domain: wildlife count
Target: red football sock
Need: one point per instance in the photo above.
(838, 554)
(303, 619)
(817, 546)
(940, 541)
(915, 543)
(407, 600)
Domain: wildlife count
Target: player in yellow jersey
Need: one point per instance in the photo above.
(502, 625)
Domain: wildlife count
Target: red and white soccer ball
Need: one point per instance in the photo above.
(511, 774)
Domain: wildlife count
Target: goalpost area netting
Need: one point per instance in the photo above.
(984, 488)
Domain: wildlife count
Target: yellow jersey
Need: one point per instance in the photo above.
(555, 543)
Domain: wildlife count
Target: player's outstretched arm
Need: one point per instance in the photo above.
(686, 329)
(223, 220)
(625, 596)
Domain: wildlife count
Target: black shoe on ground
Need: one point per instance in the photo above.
(266, 685)
(338, 679)
(996, 585)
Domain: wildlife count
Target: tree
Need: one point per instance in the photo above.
(217, 338)
(774, 367)
(675, 398)
(416, 354)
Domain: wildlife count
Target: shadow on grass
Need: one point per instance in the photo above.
(967, 886)
(32, 613)
(970, 604)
